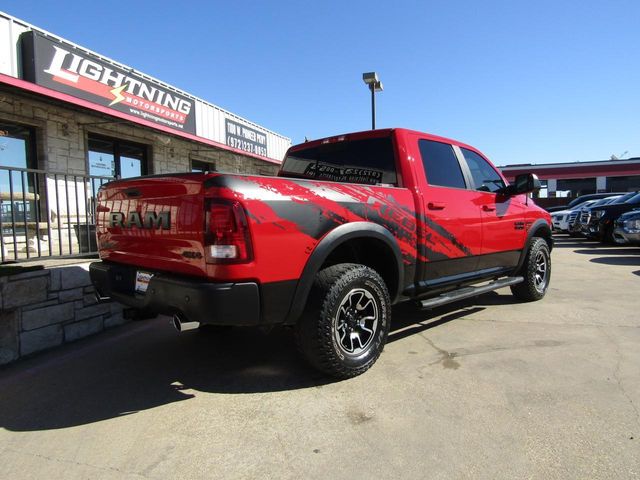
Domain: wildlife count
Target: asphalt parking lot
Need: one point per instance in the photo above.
(485, 389)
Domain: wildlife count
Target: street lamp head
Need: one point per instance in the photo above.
(372, 80)
(370, 77)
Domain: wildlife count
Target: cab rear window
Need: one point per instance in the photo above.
(370, 161)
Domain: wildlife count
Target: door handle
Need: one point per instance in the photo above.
(435, 205)
(487, 208)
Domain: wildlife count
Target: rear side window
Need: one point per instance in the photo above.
(370, 161)
(634, 200)
(441, 164)
(485, 178)
(623, 198)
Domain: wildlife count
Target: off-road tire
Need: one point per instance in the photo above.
(343, 297)
(536, 271)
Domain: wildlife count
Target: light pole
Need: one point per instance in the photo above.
(375, 85)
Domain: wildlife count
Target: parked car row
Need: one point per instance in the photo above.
(581, 199)
(583, 219)
(610, 219)
(567, 220)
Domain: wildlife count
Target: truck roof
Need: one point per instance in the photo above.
(383, 132)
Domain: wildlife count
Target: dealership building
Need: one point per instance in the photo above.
(72, 119)
(573, 179)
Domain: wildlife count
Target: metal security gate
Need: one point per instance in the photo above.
(45, 214)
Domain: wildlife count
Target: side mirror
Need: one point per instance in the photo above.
(525, 183)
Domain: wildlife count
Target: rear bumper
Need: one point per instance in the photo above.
(197, 300)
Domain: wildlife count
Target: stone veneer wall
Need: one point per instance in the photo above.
(46, 308)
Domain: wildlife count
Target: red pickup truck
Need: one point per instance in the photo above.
(351, 225)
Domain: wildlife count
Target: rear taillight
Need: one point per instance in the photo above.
(226, 238)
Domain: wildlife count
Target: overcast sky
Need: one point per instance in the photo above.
(525, 82)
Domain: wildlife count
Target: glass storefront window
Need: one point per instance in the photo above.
(577, 186)
(14, 147)
(623, 184)
(17, 146)
(198, 166)
(110, 157)
(102, 157)
(17, 150)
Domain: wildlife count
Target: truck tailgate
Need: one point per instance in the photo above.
(153, 222)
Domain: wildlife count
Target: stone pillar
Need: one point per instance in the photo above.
(601, 184)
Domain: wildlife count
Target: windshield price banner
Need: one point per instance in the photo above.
(69, 70)
(246, 139)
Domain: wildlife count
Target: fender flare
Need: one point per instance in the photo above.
(331, 241)
(538, 227)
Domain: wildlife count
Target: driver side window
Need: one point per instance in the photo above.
(485, 178)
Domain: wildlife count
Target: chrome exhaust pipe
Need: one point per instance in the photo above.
(181, 324)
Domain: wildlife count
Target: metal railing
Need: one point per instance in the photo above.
(46, 214)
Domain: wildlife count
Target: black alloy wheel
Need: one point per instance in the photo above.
(345, 326)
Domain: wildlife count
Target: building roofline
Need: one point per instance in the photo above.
(559, 166)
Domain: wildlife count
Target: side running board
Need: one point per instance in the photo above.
(468, 292)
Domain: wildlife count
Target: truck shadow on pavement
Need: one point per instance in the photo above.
(630, 261)
(409, 320)
(619, 250)
(564, 241)
(619, 256)
(146, 364)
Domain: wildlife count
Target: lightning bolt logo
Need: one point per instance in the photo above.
(117, 94)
